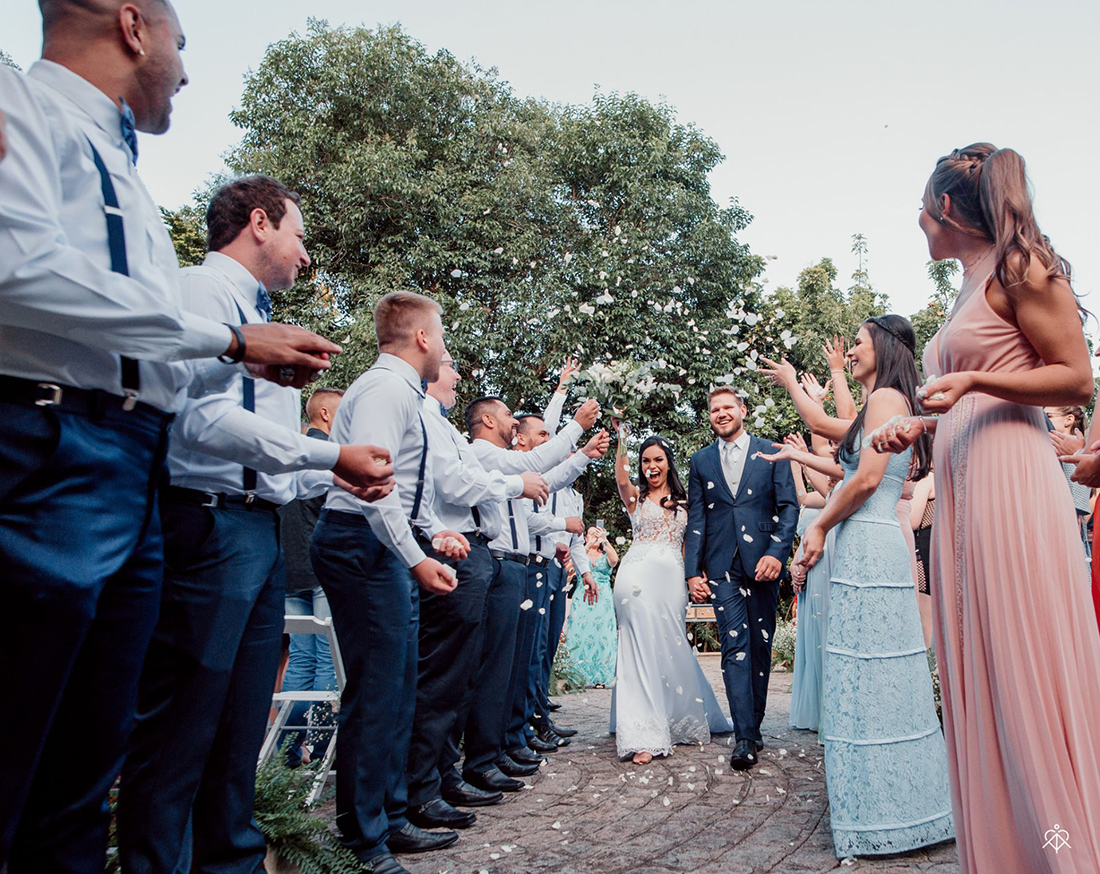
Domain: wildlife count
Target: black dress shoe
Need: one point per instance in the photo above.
(384, 864)
(554, 706)
(465, 795)
(744, 755)
(511, 768)
(561, 732)
(492, 780)
(412, 840)
(759, 745)
(540, 746)
(525, 756)
(437, 813)
(547, 735)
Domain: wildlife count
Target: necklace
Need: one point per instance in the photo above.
(969, 268)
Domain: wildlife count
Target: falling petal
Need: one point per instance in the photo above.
(527, 605)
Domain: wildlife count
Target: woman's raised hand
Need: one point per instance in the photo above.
(780, 373)
(815, 390)
(834, 353)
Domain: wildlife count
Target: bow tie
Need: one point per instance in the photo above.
(263, 302)
(129, 132)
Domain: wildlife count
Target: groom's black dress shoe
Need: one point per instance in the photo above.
(384, 864)
(744, 755)
(492, 780)
(561, 732)
(412, 840)
(465, 795)
(540, 746)
(554, 706)
(512, 768)
(437, 813)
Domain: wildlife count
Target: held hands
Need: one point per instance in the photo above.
(813, 547)
(587, 415)
(597, 447)
(798, 577)
(768, 568)
(780, 373)
(534, 486)
(591, 593)
(434, 576)
(698, 589)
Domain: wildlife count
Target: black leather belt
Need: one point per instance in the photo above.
(540, 560)
(92, 403)
(501, 555)
(195, 498)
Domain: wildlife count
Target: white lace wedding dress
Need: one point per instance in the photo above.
(661, 697)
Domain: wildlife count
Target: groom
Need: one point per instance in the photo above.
(742, 513)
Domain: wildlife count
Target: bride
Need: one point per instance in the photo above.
(661, 697)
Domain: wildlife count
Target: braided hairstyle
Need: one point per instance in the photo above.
(990, 199)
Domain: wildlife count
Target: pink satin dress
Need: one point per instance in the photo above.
(1016, 635)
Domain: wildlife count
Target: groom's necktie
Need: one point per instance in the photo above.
(732, 465)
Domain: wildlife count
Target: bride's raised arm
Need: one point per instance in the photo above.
(628, 492)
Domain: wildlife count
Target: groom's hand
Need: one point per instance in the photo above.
(699, 590)
(768, 568)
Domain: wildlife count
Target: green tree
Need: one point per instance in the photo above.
(7, 59)
(187, 227)
(929, 319)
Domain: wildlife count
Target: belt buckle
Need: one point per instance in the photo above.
(211, 500)
(49, 394)
(249, 499)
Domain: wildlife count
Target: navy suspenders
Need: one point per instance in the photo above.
(116, 241)
(248, 401)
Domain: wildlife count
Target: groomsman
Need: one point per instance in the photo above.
(236, 456)
(452, 627)
(83, 432)
(742, 513)
(370, 559)
(482, 717)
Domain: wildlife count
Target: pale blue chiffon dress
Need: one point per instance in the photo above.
(809, 645)
(885, 757)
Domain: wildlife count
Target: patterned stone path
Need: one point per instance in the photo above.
(587, 813)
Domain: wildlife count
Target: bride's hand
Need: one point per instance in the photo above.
(699, 590)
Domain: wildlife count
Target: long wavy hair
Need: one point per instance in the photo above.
(895, 343)
(676, 498)
(990, 199)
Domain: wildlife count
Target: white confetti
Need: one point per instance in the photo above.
(666, 802)
(527, 605)
(740, 656)
(556, 825)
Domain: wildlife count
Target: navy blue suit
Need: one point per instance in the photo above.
(727, 535)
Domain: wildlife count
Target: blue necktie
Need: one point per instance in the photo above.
(263, 302)
(129, 132)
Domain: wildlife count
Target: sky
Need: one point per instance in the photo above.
(830, 114)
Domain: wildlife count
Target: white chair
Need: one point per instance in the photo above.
(285, 701)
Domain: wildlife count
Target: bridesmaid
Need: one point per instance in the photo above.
(1018, 649)
(591, 636)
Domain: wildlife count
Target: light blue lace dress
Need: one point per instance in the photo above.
(809, 646)
(590, 636)
(885, 758)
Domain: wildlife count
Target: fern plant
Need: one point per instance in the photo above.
(293, 831)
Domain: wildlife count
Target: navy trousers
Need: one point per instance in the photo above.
(80, 549)
(376, 611)
(482, 713)
(526, 668)
(452, 637)
(745, 610)
(205, 695)
(547, 643)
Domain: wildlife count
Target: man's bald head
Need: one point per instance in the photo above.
(128, 49)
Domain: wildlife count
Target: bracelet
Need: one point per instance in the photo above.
(238, 356)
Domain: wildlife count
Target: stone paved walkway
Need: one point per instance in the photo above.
(587, 813)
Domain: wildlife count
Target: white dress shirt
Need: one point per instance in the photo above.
(215, 437)
(64, 315)
(549, 519)
(733, 453)
(384, 407)
(552, 414)
(571, 503)
(461, 483)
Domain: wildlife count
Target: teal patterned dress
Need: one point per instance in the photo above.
(885, 757)
(591, 636)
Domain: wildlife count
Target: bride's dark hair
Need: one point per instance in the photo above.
(677, 494)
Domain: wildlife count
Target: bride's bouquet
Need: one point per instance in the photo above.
(624, 387)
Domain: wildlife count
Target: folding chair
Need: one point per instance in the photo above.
(284, 701)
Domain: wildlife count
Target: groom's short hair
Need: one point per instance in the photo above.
(725, 390)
